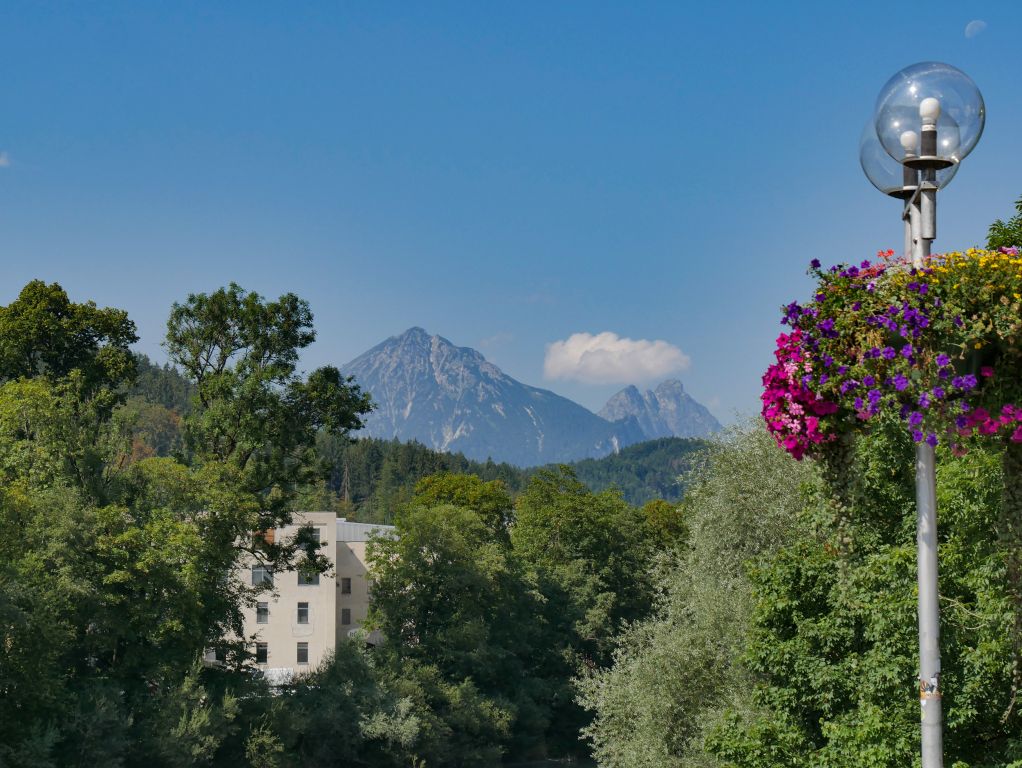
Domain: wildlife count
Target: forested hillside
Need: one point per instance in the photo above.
(655, 469)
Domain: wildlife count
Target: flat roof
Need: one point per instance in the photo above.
(347, 531)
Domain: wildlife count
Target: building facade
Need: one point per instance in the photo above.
(297, 623)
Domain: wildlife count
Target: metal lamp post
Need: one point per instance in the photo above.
(928, 118)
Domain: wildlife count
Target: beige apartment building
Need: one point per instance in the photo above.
(294, 626)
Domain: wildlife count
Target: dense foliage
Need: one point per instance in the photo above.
(674, 673)
(130, 493)
(510, 602)
(787, 633)
(115, 562)
(654, 469)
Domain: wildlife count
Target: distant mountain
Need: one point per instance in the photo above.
(451, 399)
(667, 411)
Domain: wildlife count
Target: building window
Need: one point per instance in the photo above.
(303, 653)
(345, 586)
(345, 616)
(262, 653)
(262, 576)
(262, 613)
(308, 579)
(303, 613)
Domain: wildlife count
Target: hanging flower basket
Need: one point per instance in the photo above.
(940, 347)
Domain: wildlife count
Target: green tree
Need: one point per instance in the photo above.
(1006, 234)
(833, 642)
(255, 419)
(115, 567)
(674, 672)
(593, 549)
(43, 333)
(465, 635)
(489, 500)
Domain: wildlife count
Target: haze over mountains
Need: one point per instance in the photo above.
(451, 398)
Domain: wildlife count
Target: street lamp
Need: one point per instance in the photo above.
(928, 118)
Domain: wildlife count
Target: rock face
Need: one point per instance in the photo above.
(451, 399)
(667, 411)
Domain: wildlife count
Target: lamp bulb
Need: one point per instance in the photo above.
(909, 141)
(929, 110)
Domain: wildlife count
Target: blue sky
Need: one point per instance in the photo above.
(506, 175)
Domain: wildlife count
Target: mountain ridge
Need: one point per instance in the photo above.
(451, 398)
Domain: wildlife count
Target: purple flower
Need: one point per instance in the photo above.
(968, 381)
(931, 439)
(869, 381)
(943, 360)
(944, 373)
(938, 393)
(815, 263)
(865, 264)
(906, 351)
(913, 287)
(821, 296)
(823, 378)
(874, 352)
(842, 370)
(961, 422)
(924, 400)
(874, 396)
(900, 382)
(924, 289)
(915, 418)
(858, 403)
(871, 287)
(958, 321)
(888, 353)
(856, 306)
(917, 435)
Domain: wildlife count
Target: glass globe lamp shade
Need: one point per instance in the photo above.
(887, 174)
(907, 97)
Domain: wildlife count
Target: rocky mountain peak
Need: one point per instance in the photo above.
(667, 411)
(451, 398)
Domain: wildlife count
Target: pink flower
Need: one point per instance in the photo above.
(986, 371)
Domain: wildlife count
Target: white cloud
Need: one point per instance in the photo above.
(5, 160)
(974, 27)
(606, 358)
